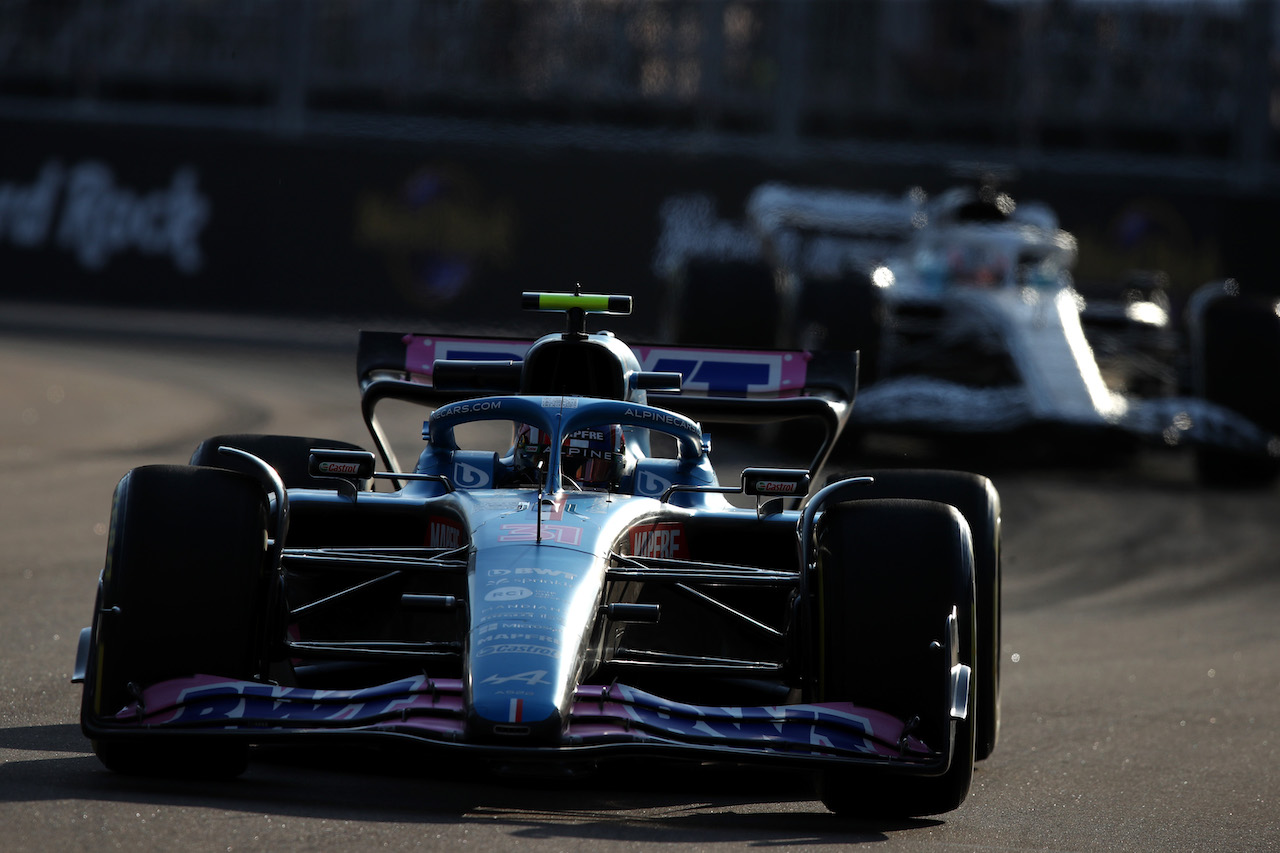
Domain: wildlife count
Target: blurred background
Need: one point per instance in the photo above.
(419, 163)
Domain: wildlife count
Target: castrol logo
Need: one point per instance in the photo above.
(339, 468)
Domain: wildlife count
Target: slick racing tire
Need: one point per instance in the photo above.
(979, 502)
(888, 574)
(183, 592)
(288, 454)
(1236, 357)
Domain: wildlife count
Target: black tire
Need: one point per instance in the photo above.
(186, 587)
(1237, 365)
(288, 454)
(979, 502)
(889, 573)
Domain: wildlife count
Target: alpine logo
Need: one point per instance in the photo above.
(532, 678)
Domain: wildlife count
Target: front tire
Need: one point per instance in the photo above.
(979, 502)
(888, 574)
(183, 592)
(1236, 363)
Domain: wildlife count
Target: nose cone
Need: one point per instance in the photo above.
(532, 609)
(518, 720)
(517, 680)
(516, 696)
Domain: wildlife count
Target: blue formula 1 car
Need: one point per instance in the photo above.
(585, 593)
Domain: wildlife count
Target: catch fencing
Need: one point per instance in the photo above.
(1182, 79)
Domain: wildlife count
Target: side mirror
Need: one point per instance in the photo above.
(352, 466)
(776, 482)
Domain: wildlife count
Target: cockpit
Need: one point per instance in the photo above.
(993, 256)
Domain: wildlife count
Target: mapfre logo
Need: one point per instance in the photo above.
(443, 533)
(665, 540)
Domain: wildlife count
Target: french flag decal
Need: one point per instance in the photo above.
(517, 711)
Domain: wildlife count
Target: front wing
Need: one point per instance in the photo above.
(606, 722)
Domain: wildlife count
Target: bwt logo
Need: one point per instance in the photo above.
(469, 476)
(649, 483)
(533, 570)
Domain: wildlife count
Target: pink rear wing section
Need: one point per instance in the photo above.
(710, 372)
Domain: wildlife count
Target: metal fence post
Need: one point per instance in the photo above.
(793, 21)
(1253, 132)
(295, 53)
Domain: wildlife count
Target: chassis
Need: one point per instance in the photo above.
(272, 592)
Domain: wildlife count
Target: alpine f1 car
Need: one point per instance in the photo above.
(968, 320)
(586, 593)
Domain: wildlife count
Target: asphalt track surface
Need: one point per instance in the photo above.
(1141, 652)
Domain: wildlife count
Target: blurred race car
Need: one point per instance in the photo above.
(968, 321)
(583, 594)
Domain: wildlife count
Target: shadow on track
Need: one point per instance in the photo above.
(56, 738)
(678, 806)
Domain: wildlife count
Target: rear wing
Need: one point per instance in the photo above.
(716, 385)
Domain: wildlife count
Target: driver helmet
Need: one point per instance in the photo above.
(594, 458)
(531, 447)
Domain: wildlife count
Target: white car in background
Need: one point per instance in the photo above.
(968, 321)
